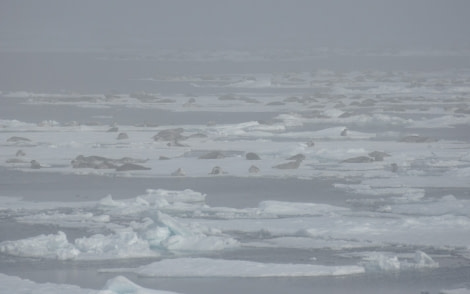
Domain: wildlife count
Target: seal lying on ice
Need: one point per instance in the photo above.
(35, 164)
(297, 159)
(131, 166)
(170, 135)
(289, 165)
(252, 156)
(217, 170)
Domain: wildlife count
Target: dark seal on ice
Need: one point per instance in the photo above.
(171, 135)
(252, 156)
(131, 166)
(35, 164)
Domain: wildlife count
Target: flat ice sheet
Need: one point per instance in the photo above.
(204, 267)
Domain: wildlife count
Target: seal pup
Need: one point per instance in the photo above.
(344, 133)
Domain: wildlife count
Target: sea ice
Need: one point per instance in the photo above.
(117, 285)
(206, 267)
(456, 291)
(43, 246)
(379, 262)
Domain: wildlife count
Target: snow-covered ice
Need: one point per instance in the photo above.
(392, 147)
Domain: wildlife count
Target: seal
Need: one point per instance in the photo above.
(216, 170)
(289, 165)
(35, 164)
(131, 166)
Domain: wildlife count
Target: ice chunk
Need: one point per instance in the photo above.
(184, 239)
(123, 244)
(422, 260)
(381, 262)
(45, 246)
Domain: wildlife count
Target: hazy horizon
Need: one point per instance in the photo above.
(209, 24)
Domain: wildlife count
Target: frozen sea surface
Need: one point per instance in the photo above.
(252, 175)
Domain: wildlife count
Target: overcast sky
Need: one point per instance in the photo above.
(220, 24)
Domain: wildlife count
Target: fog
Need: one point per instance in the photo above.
(210, 24)
(214, 146)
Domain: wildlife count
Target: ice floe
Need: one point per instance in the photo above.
(116, 285)
(163, 222)
(206, 267)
